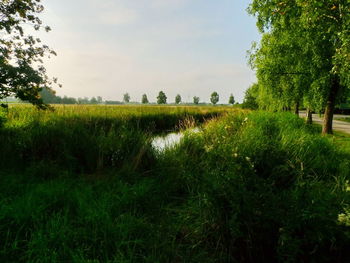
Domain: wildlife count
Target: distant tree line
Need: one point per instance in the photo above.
(49, 97)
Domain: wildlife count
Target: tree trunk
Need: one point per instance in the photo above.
(296, 109)
(329, 111)
(308, 116)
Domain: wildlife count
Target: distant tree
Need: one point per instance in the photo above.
(99, 100)
(178, 99)
(126, 98)
(196, 100)
(68, 100)
(214, 98)
(48, 96)
(144, 99)
(84, 100)
(161, 99)
(93, 100)
(58, 100)
(231, 99)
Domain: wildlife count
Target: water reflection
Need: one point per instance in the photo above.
(160, 143)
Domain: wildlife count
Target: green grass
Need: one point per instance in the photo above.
(88, 139)
(347, 119)
(252, 187)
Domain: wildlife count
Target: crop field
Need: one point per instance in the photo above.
(83, 184)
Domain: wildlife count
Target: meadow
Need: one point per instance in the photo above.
(83, 184)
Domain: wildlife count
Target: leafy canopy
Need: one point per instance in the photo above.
(305, 47)
(161, 99)
(22, 72)
(178, 99)
(126, 98)
(214, 98)
(231, 100)
(144, 99)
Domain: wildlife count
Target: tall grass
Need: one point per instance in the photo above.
(262, 188)
(252, 187)
(87, 138)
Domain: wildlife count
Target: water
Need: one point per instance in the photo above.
(160, 143)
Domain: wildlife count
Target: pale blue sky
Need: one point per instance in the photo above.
(191, 47)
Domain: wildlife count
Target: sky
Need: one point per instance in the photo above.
(188, 47)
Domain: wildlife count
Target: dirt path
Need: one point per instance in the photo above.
(341, 126)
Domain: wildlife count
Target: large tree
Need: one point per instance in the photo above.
(323, 27)
(22, 74)
(284, 77)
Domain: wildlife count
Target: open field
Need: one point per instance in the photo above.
(19, 114)
(83, 184)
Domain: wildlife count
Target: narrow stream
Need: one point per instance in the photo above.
(161, 143)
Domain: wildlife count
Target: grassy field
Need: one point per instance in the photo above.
(83, 184)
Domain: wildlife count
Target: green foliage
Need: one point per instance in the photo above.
(303, 55)
(196, 100)
(144, 99)
(214, 98)
(251, 97)
(93, 100)
(126, 98)
(178, 99)
(22, 73)
(161, 99)
(231, 100)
